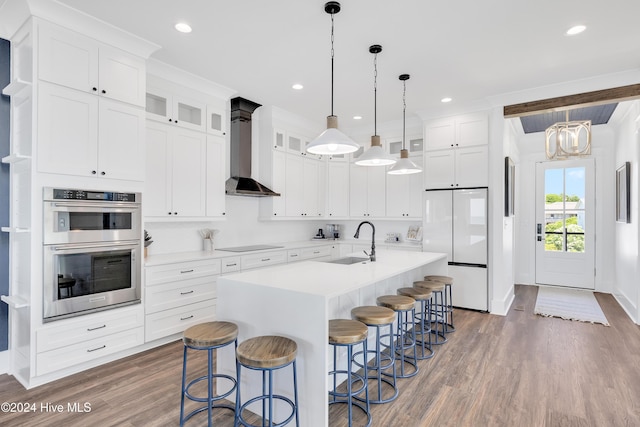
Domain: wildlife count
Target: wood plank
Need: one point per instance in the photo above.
(562, 103)
(517, 370)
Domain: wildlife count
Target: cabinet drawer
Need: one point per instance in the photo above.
(294, 255)
(181, 271)
(230, 264)
(81, 329)
(322, 251)
(263, 259)
(176, 320)
(75, 354)
(176, 294)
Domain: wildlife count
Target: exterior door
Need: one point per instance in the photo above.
(565, 235)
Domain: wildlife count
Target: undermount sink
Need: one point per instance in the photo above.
(349, 260)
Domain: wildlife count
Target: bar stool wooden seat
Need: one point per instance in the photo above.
(378, 318)
(267, 354)
(405, 335)
(349, 333)
(448, 298)
(436, 316)
(208, 336)
(423, 296)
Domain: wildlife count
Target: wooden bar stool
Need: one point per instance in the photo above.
(448, 298)
(349, 333)
(437, 313)
(208, 336)
(267, 354)
(423, 296)
(405, 335)
(378, 318)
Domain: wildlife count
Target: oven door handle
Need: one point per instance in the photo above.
(97, 206)
(113, 246)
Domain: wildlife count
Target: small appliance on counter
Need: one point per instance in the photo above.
(319, 234)
(332, 231)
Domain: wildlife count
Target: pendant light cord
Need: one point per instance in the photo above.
(332, 55)
(375, 94)
(404, 111)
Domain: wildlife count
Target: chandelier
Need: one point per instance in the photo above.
(568, 139)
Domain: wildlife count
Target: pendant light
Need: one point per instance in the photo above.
(404, 166)
(375, 155)
(332, 141)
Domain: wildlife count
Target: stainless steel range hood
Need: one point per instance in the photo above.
(241, 183)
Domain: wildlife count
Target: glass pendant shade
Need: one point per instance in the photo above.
(375, 155)
(332, 141)
(404, 166)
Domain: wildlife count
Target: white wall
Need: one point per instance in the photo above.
(627, 265)
(532, 151)
(501, 228)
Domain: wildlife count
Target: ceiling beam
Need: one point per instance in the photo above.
(562, 103)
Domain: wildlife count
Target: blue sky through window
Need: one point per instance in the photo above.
(574, 181)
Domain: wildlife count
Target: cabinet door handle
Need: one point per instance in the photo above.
(90, 350)
(232, 265)
(103, 173)
(95, 89)
(294, 255)
(96, 328)
(93, 172)
(186, 271)
(187, 318)
(316, 252)
(266, 259)
(104, 91)
(186, 293)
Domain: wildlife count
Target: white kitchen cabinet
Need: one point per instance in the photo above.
(69, 342)
(73, 60)
(278, 184)
(414, 145)
(179, 295)
(172, 108)
(337, 189)
(367, 195)
(460, 131)
(230, 264)
(80, 134)
(175, 184)
(457, 168)
(310, 253)
(215, 186)
(262, 259)
(216, 120)
(404, 194)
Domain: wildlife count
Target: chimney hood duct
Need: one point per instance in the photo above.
(241, 183)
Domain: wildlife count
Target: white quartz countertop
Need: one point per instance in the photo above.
(329, 279)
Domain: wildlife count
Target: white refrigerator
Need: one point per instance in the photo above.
(455, 222)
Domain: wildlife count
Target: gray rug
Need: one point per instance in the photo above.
(569, 304)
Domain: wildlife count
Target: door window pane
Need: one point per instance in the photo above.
(565, 209)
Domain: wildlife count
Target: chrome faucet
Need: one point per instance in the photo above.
(372, 255)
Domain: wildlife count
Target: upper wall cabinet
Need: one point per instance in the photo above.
(414, 144)
(461, 131)
(79, 62)
(81, 134)
(457, 152)
(172, 104)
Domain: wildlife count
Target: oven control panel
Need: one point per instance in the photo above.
(103, 196)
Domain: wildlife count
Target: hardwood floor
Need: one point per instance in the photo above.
(518, 370)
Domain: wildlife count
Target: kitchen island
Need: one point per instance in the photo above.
(297, 300)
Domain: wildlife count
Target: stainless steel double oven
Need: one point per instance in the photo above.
(92, 251)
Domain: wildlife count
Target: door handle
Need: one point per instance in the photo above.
(539, 228)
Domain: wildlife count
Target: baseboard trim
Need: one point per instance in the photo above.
(628, 306)
(500, 307)
(4, 362)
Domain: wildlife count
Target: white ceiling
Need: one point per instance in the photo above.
(465, 49)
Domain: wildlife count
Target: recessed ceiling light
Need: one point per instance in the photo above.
(183, 27)
(576, 30)
(357, 117)
(447, 99)
(297, 86)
